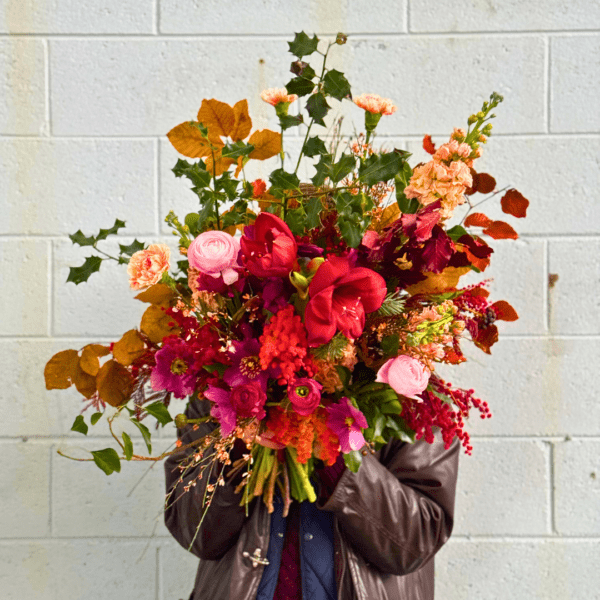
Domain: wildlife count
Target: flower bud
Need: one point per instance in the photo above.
(180, 421)
(341, 39)
(314, 264)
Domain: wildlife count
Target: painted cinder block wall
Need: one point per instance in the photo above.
(88, 90)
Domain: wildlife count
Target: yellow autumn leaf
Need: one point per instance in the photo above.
(115, 383)
(189, 141)
(84, 382)
(436, 283)
(217, 116)
(60, 370)
(129, 348)
(158, 294)
(266, 144)
(390, 214)
(89, 358)
(155, 324)
(243, 123)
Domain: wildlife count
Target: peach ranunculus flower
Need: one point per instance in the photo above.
(275, 96)
(375, 104)
(147, 266)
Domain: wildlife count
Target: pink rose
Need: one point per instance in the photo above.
(147, 266)
(305, 395)
(215, 253)
(405, 375)
(248, 400)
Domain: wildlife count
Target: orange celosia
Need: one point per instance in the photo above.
(375, 104)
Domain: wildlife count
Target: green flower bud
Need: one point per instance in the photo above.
(341, 38)
(180, 421)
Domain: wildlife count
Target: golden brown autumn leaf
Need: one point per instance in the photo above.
(159, 294)
(221, 164)
(436, 283)
(115, 383)
(155, 324)
(189, 141)
(84, 382)
(389, 215)
(89, 358)
(129, 348)
(217, 116)
(242, 121)
(266, 144)
(60, 370)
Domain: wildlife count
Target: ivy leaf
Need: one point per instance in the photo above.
(104, 233)
(380, 167)
(134, 247)
(336, 85)
(95, 418)
(159, 411)
(313, 212)
(196, 172)
(314, 146)
(81, 240)
(107, 460)
(287, 121)
(80, 274)
(303, 45)
(79, 425)
(145, 433)
(317, 108)
(300, 86)
(353, 460)
(127, 446)
(343, 167)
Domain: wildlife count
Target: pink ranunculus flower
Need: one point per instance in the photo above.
(215, 253)
(405, 375)
(305, 395)
(147, 266)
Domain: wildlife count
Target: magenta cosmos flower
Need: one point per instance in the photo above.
(174, 370)
(347, 423)
(245, 365)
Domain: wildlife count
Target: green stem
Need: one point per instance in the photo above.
(105, 254)
(216, 202)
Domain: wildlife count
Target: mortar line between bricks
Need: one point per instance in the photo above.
(47, 89)
(407, 16)
(359, 35)
(548, 82)
(50, 460)
(524, 538)
(546, 280)
(158, 574)
(156, 17)
(157, 184)
(50, 326)
(553, 528)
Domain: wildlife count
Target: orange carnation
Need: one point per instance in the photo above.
(375, 104)
(274, 96)
(147, 266)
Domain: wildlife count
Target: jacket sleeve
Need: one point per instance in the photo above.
(224, 518)
(398, 510)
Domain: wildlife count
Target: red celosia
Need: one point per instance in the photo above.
(284, 345)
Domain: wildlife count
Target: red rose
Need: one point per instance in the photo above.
(340, 296)
(268, 247)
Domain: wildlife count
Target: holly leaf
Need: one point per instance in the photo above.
(353, 460)
(281, 180)
(236, 150)
(380, 167)
(287, 121)
(323, 168)
(336, 85)
(303, 45)
(127, 446)
(499, 230)
(80, 274)
(107, 460)
(317, 108)
(104, 233)
(134, 247)
(514, 203)
(159, 411)
(313, 212)
(296, 220)
(343, 167)
(314, 146)
(81, 240)
(300, 86)
(196, 173)
(79, 425)
(351, 232)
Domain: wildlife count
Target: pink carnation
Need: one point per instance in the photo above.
(405, 375)
(275, 96)
(375, 104)
(215, 253)
(147, 266)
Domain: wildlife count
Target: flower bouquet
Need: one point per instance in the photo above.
(308, 316)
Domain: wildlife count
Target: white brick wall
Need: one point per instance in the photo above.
(88, 90)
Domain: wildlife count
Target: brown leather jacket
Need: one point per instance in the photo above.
(391, 517)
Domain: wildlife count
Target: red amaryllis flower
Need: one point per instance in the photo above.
(340, 296)
(268, 247)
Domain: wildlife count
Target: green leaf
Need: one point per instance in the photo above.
(236, 150)
(216, 368)
(81, 240)
(401, 430)
(107, 460)
(159, 411)
(296, 220)
(351, 232)
(353, 460)
(344, 374)
(456, 232)
(104, 233)
(287, 121)
(127, 446)
(333, 349)
(80, 274)
(145, 433)
(280, 180)
(380, 167)
(303, 45)
(303, 69)
(391, 408)
(207, 211)
(95, 418)
(300, 86)
(134, 247)
(408, 206)
(191, 220)
(390, 345)
(323, 168)
(392, 305)
(314, 146)
(317, 108)
(195, 172)
(336, 85)
(313, 212)
(79, 425)
(342, 168)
